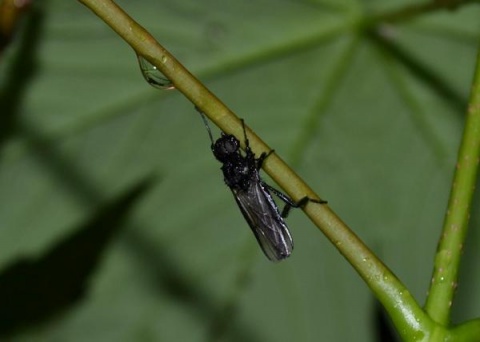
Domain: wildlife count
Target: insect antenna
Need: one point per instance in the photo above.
(205, 121)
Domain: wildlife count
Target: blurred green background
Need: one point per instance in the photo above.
(115, 224)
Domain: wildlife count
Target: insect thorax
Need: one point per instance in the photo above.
(239, 174)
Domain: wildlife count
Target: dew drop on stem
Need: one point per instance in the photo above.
(153, 76)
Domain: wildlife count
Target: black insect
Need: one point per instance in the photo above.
(253, 195)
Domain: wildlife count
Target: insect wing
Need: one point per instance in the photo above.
(261, 213)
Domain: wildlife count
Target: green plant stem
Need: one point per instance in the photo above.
(410, 320)
(468, 332)
(447, 259)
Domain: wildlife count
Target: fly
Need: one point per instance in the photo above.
(253, 195)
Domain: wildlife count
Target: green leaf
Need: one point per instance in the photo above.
(372, 120)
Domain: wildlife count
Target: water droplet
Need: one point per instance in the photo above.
(153, 76)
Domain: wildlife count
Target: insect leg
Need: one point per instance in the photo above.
(300, 204)
(289, 203)
(262, 158)
(247, 144)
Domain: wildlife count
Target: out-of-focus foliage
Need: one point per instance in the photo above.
(115, 224)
